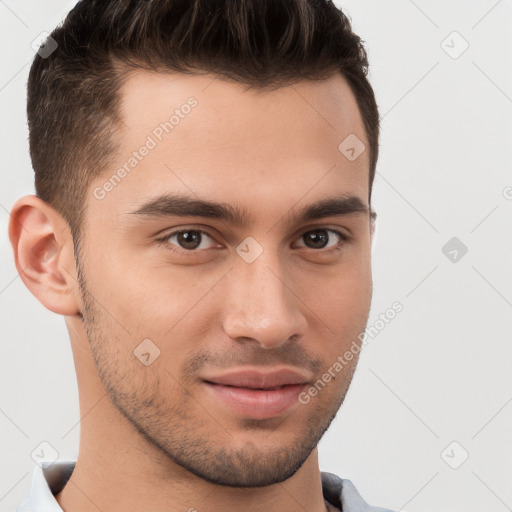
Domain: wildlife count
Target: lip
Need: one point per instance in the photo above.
(255, 394)
(254, 379)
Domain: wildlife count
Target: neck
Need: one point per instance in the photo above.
(114, 475)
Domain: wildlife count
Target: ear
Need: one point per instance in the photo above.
(373, 220)
(44, 255)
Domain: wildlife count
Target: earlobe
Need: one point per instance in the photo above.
(43, 254)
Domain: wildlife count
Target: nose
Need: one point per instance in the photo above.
(261, 304)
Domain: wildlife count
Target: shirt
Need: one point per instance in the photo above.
(48, 479)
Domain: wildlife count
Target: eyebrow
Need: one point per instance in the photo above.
(178, 205)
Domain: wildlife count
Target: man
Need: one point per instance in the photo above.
(203, 222)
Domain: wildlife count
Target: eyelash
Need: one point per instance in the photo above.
(165, 240)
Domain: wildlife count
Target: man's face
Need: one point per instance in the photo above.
(219, 303)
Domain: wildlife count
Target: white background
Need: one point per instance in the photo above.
(441, 370)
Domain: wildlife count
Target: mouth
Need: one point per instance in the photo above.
(248, 387)
(255, 394)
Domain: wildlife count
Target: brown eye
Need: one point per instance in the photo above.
(187, 240)
(316, 239)
(323, 238)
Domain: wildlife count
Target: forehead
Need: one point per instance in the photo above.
(219, 140)
(232, 112)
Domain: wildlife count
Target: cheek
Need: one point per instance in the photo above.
(340, 297)
(171, 307)
(344, 314)
(134, 288)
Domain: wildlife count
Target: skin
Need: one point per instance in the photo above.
(151, 437)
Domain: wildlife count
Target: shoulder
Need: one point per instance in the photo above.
(343, 494)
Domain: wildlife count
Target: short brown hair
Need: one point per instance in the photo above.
(73, 93)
